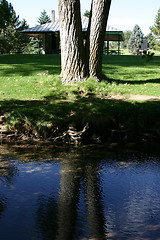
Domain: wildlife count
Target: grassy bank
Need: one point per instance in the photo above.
(34, 103)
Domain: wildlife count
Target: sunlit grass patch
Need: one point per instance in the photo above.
(132, 74)
(38, 77)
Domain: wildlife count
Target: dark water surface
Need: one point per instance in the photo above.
(86, 193)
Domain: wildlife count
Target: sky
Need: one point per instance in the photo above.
(124, 14)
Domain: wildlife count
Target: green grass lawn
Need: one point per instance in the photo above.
(38, 76)
(35, 103)
(27, 76)
(132, 75)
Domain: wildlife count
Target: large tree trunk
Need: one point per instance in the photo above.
(98, 22)
(77, 64)
(72, 48)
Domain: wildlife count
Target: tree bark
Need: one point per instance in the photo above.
(98, 23)
(78, 62)
(73, 67)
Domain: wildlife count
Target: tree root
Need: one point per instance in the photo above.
(72, 135)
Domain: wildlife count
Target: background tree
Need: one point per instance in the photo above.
(112, 45)
(6, 11)
(124, 44)
(127, 35)
(21, 40)
(152, 41)
(135, 40)
(155, 30)
(87, 13)
(35, 44)
(44, 18)
(78, 62)
(10, 24)
(11, 40)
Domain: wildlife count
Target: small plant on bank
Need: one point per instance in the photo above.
(148, 56)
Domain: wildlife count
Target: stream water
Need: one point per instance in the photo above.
(87, 193)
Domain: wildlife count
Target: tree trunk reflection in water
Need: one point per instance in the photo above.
(67, 203)
(94, 203)
(71, 174)
(3, 201)
(7, 173)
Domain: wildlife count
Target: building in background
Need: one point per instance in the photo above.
(50, 34)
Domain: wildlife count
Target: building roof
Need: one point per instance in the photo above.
(53, 27)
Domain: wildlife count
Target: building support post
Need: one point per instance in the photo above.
(107, 47)
(119, 45)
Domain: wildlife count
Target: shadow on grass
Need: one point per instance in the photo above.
(107, 119)
(114, 64)
(25, 65)
(131, 82)
(129, 61)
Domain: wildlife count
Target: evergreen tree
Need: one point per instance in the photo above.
(44, 18)
(135, 40)
(9, 25)
(11, 40)
(152, 41)
(35, 45)
(6, 11)
(87, 13)
(155, 30)
(127, 35)
(21, 40)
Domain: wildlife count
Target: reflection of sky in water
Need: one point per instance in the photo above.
(35, 204)
(33, 181)
(132, 200)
